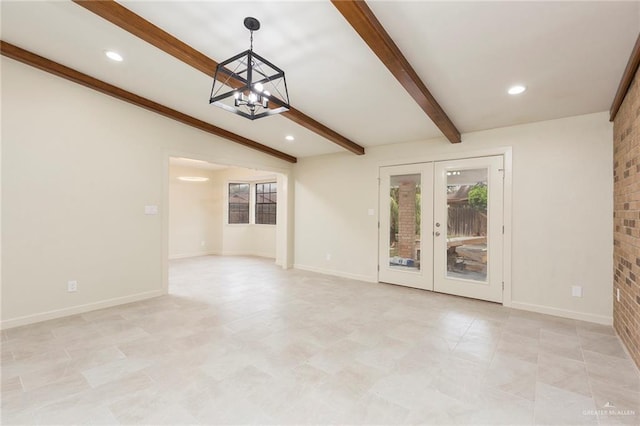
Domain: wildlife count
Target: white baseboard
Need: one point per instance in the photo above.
(246, 253)
(336, 273)
(74, 310)
(565, 313)
(196, 254)
(224, 253)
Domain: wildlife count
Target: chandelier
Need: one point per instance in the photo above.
(249, 85)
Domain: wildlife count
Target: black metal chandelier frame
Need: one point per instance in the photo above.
(243, 90)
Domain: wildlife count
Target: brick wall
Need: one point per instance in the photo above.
(407, 219)
(626, 251)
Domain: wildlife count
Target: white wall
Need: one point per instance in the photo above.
(562, 210)
(78, 167)
(195, 214)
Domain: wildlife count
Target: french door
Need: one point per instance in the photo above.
(406, 215)
(441, 226)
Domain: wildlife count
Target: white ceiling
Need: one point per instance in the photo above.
(570, 55)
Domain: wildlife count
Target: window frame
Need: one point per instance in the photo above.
(252, 200)
(228, 203)
(273, 189)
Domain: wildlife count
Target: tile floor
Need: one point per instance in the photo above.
(240, 341)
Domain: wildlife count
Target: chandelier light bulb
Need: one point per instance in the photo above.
(253, 97)
(259, 87)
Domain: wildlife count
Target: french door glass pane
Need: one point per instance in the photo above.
(404, 226)
(467, 224)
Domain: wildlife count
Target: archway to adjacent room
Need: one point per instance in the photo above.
(224, 210)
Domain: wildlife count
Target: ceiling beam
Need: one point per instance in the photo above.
(140, 27)
(627, 78)
(44, 64)
(362, 19)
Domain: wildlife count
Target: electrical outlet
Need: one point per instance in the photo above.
(618, 294)
(72, 286)
(576, 291)
(328, 257)
(202, 243)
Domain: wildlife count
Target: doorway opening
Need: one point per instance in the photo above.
(223, 210)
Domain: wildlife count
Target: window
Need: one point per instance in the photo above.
(266, 203)
(239, 203)
(253, 203)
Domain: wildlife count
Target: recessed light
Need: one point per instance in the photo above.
(516, 90)
(193, 178)
(114, 56)
(289, 138)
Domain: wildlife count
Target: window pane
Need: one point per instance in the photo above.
(467, 254)
(238, 188)
(266, 198)
(405, 194)
(238, 203)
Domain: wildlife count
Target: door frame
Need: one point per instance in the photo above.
(507, 153)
